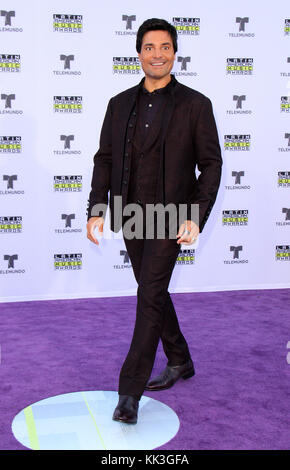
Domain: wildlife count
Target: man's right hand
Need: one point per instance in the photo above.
(94, 222)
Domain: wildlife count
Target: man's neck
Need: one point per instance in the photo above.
(152, 84)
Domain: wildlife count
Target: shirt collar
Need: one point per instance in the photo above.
(162, 90)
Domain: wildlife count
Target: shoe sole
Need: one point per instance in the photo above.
(124, 421)
(188, 374)
(185, 376)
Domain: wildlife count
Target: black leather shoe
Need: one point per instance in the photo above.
(170, 375)
(126, 410)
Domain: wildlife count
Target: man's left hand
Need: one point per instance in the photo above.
(188, 232)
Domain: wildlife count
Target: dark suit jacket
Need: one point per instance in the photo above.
(189, 139)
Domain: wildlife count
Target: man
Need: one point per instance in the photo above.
(153, 137)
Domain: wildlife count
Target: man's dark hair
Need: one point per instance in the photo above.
(155, 24)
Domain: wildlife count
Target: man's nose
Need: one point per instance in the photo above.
(157, 53)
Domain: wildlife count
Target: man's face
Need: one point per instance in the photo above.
(157, 54)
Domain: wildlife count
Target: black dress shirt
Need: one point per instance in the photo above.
(144, 149)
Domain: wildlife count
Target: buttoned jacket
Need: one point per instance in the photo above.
(189, 140)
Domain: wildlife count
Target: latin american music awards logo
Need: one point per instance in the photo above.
(68, 261)
(10, 224)
(68, 104)
(187, 26)
(284, 179)
(10, 144)
(239, 66)
(282, 253)
(235, 142)
(10, 63)
(233, 218)
(186, 256)
(67, 183)
(64, 23)
(126, 65)
(285, 104)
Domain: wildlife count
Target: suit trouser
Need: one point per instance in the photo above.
(153, 261)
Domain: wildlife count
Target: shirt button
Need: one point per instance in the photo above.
(129, 140)
(126, 154)
(130, 125)
(124, 182)
(146, 125)
(134, 113)
(150, 105)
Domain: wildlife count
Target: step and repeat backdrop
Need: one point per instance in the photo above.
(60, 63)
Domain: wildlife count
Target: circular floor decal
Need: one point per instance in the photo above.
(83, 421)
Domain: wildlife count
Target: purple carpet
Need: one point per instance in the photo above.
(238, 399)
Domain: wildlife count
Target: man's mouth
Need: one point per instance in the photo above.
(157, 64)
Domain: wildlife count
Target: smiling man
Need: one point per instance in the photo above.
(157, 55)
(153, 137)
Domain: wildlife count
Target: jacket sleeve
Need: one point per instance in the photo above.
(209, 162)
(101, 177)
